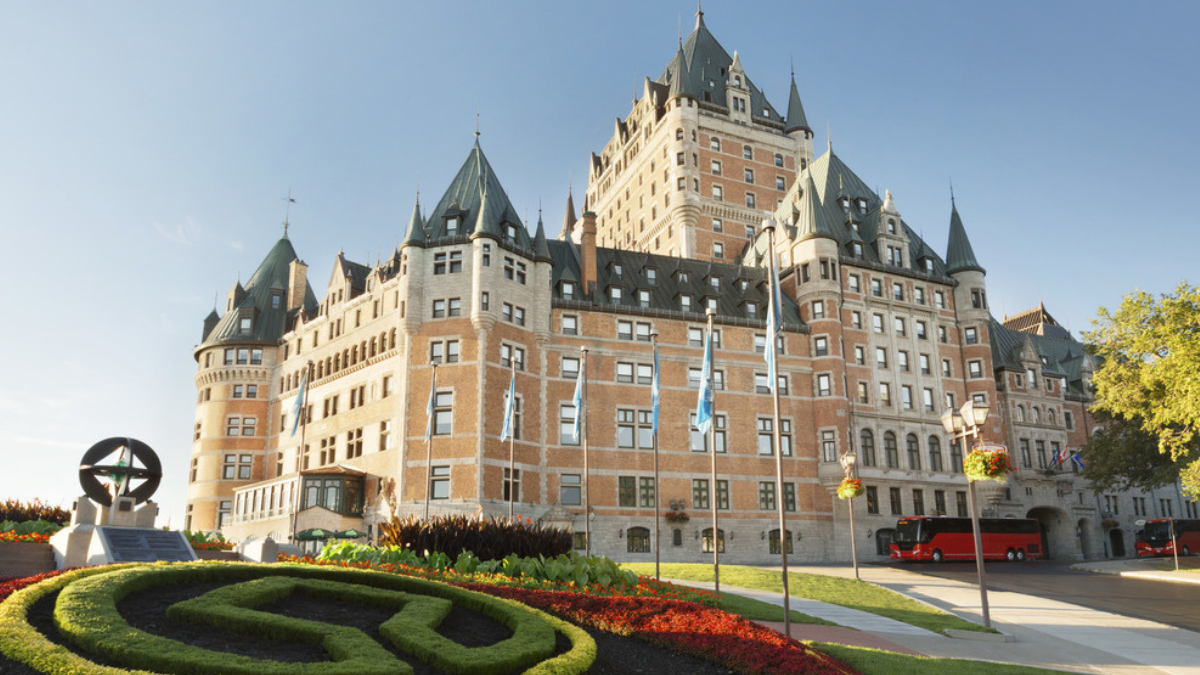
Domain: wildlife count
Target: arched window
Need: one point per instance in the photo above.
(392, 340)
(1050, 415)
(914, 452)
(1035, 415)
(706, 540)
(935, 454)
(354, 355)
(1020, 413)
(372, 346)
(867, 449)
(677, 537)
(320, 369)
(891, 452)
(773, 540)
(328, 365)
(679, 134)
(637, 540)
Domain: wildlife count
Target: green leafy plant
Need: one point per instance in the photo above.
(980, 464)
(488, 538)
(850, 488)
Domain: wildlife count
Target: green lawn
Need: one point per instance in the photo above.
(757, 610)
(876, 662)
(834, 590)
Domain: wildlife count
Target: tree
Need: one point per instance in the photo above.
(1120, 456)
(1150, 372)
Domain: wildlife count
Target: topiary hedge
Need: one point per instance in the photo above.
(86, 612)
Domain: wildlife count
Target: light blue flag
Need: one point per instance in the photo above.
(654, 392)
(298, 406)
(509, 397)
(578, 401)
(774, 320)
(704, 402)
(429, 408)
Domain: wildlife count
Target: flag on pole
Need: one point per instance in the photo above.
(429, 408)
(509, 397)
(704, 402)
(1077, 459)
(774, 320)
(298, 406)
(577, 401)
(654, 392)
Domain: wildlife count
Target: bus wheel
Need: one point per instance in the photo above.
(1020, 555)
(937, 556)
(1010, 555)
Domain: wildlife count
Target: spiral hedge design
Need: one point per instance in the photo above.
(86, 613)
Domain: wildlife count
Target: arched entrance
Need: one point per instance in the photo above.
(1116, 540)
(1058, 532)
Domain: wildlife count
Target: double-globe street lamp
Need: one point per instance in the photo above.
(962, 424)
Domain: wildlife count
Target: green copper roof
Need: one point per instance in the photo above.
(477, 216)
(959, 255)
(795, 111)
(416, 227)
(812, 221)
(267, 322)
(700, 69)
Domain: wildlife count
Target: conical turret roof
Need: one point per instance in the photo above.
(796, 121)
(812, 222)
(960, 257)
(416, 227)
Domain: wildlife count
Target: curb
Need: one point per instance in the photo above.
(1169, 577)
(976, 636)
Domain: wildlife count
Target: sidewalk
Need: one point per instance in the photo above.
(1142, 568)
(1047, 633)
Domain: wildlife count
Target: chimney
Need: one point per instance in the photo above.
(587, 254)
(297, 284)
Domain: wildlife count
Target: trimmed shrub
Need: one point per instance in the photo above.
(488, 538)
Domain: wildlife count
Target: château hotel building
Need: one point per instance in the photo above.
(881, 332)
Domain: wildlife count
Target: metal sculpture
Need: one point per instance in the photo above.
(121, 474)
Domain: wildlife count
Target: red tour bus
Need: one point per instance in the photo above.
(1155, 537)
(939, 538)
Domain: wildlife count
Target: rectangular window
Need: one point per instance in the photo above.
(570, 367)
(881, 359)
(626, 491)
(902, 361)
(820, 346)
(624, 330)
(885, 393)
(872, 500)
(896, 504)
(566, 424)
(443, 413)
(906, 397)
(646, 492)
(700, 493)
(440, 482)
(511, 355)
(898, 291)
(918, 502)
(789, 497)
(960, 503)
(971, 336)
(824, 385)
(570, 489)
(975, 369)
(877, 323)
(699, 442)
(766, 495)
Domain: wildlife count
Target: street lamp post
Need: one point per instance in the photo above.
(848, 461)
(961, 425)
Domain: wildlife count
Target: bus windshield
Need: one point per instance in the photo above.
(908, 531)
(1159, 531)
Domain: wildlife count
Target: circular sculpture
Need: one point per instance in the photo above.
(123, 472)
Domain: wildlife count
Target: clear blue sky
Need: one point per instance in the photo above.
(145, 150)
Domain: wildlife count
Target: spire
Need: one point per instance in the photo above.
(959, 255)
(700, 17)
(796, 121)
(737, 62)
(541, 250)
(888, 205)
(679, 74)
(416, 226)
(569, 217)
(813, 222)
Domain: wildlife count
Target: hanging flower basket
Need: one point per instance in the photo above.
(677, 517)
(850, 488)
(988, 464)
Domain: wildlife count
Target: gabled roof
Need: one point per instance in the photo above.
(464, 198)
(268, 323)
(1061, 355)
(959, 255)
(701, 60)
(1037, 321)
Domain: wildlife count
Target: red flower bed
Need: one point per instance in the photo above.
(10, 586)
(212, 546)
(683, 627)
(24, 538)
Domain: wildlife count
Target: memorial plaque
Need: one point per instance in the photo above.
(127, 544)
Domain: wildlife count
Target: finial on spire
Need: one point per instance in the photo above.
(828, 137)
(477, 122)
(699, 16)
(287, 211)
(951, 192)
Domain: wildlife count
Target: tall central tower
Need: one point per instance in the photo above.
(700, 159)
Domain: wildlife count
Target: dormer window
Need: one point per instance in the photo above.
(683, 277)
(452, 225)
(651, 276)
(715, 282)
(617, 269)
(245, 324)
(643, 298)
(891, 226)
(845, 204)
(276, 299)
(751, 311)
(685, 303)
(512, 231)
(737, 80)
(614, 295)
(857, 250)
(567, 289)
(862, 206)
(711, 303)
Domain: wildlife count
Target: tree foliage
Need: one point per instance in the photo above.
(1150, 372)
(1120, 456)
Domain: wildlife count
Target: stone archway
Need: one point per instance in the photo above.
(1116, 540)
(1058, 533)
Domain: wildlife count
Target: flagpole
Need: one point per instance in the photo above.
(774, 312)
(303, 431)
(712, 441)
(429, 438)
(654, 400)
(512, 441)
(587, 494)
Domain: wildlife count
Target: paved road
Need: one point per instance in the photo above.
(1169, 603)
